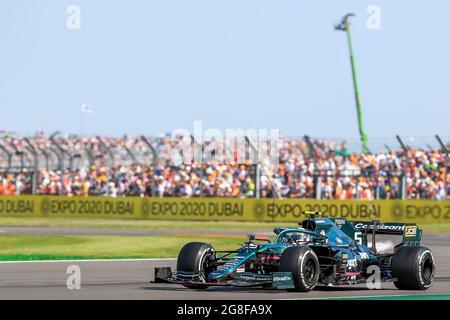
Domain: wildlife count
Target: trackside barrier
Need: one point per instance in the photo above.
(223, 209)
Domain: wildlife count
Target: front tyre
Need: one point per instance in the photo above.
(303, 263)
(414, 268)
(195, 258)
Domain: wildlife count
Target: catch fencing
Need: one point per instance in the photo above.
(57, 153)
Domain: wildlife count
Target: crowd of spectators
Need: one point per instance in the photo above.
(125, 166)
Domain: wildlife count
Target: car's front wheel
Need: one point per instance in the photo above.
(303, 263)
(414, 268)
(195, 258)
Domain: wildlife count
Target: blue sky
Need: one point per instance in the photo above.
(148, 67)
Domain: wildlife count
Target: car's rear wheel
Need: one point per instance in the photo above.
(414, 268)
(303, 263)
(195, 258)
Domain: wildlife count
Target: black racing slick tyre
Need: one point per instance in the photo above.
(195, 257)
(414, 268)
(303, 263)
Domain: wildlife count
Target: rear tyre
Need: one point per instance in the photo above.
(195, 257)
(414, 268)
(303, 263)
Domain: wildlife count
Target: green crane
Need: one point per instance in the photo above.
(346, 26)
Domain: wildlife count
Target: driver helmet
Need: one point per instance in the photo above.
(301, 238)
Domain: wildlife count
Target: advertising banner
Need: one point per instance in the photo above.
(224, 209)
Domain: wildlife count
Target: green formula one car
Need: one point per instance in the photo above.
(328, 251)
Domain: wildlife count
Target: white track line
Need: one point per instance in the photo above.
(89, 260)
(363, 297)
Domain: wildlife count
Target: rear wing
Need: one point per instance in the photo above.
(383, 228)
(410, 232)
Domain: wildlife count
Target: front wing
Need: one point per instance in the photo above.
(276, 280)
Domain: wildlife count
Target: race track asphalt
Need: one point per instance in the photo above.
(130, 279)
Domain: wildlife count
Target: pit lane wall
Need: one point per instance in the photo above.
(223, 209)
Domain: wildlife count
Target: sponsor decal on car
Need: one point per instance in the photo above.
(381, 227)
(240, 269)
(410, 231)
(247, 276)
(364, 255)
(344, 258)
(352, 263)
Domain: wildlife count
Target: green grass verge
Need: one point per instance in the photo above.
(159, 225)
(37, 247)
(40, 247)
(400, 297)
(136, 224)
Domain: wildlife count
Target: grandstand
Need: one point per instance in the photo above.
(142, 167)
